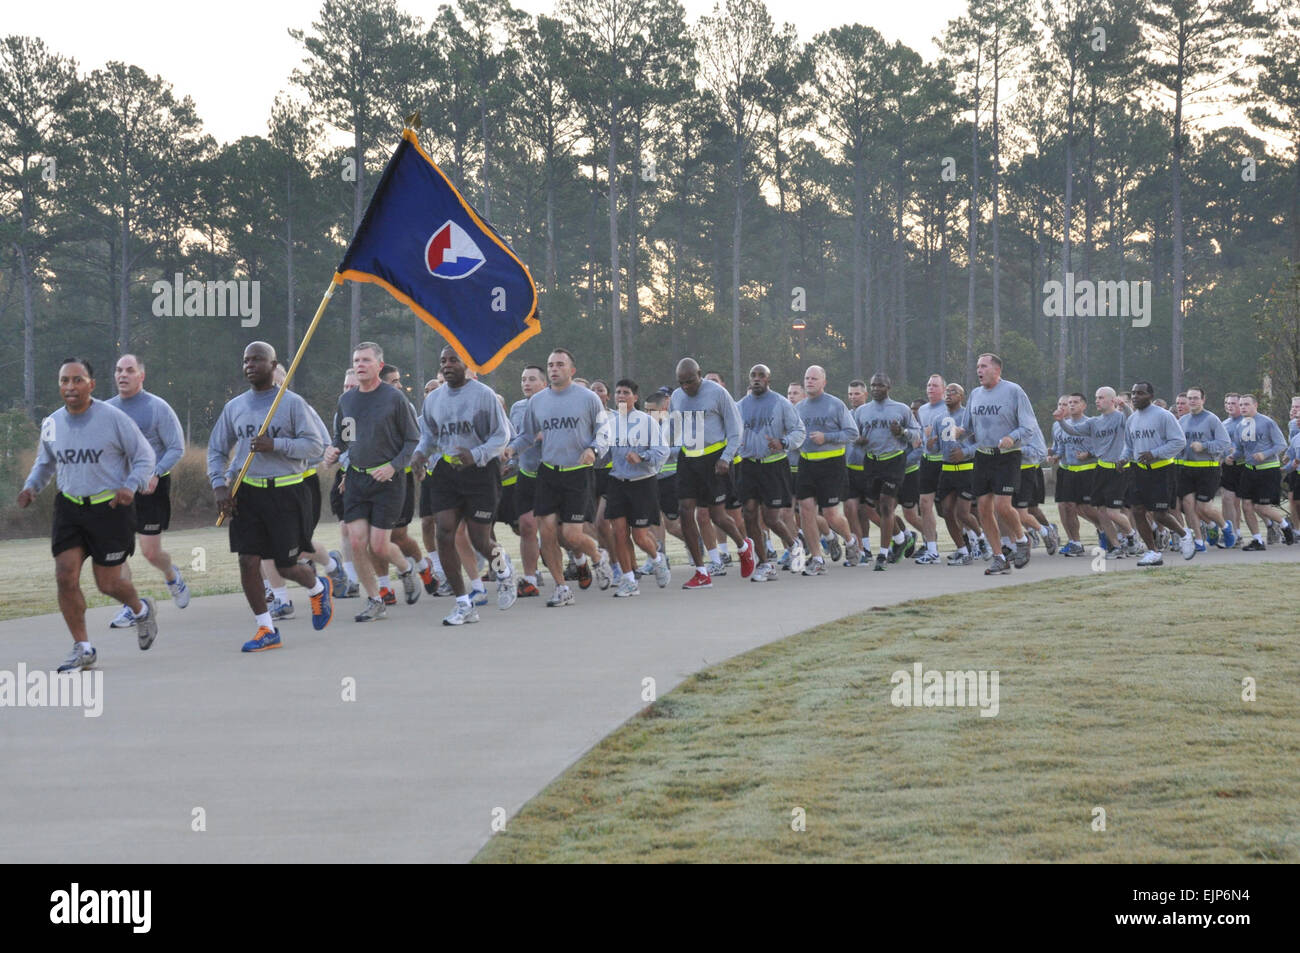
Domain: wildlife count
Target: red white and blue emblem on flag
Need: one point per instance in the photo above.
(432, 251)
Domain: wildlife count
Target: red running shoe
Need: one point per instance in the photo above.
(747, 560)
(701, 580)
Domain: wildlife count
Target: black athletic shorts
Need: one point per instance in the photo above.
(1292, 484)
(1153, 488)
(997, 473)
(426, 496)
(1109, 486)
(1202, 482)
(769, 483)
(565, 493)
(1262, 487)
(153, 511)
(506, 511)
(600, 482)
(668, 502)
(956, 480)
(379, 504)
(272, 522)
(336, 495)
(525, 493)
(931, 470)
(733, 501)
(106, 533)
(471, 491)
(1032, 491)
(1230, 477)
(909, 492)
(698, 480)
(1075, 486)
(823, 479)
(408, 502)
(883, 478)
(636, 501)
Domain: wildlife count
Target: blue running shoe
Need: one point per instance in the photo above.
(1072, 549)
(322, 604)
(263, 640)
(1212, 534)
(1103, 540)
(1229, 537)
(1200, 546)
(478, 597)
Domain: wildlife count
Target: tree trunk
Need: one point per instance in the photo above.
(358, 193)
(969, 366)
(1177, 173)
(1064, 342)
(633, 242)
(615, 319)
(288, 264)
(735, 260)
(900, 275)
(859, 276)
(997, 163)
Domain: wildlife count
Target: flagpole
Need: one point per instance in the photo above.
(288, 377)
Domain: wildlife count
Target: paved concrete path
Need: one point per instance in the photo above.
(448, 724)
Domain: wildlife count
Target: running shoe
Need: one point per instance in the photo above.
(426, 577)
(927, 558)
(1188, 545)
(444, 589)
(280, 610)
(986, 551)
(1272, 538)
(506, 593)
(123, 620)
(409, 585)
(322, 604)
(1229, 537)
(604, 574)
(354, 590)
(1021, 558)
(815, 567)
(960, 559)
(909, 546)
(462, 614)
(718, 568)
(339, 577)
(561, 596)
(784, 562)
(798, 557)
(1212, 533)
(1152, 558)
(478, 597)
(626, 587)
(525, 589)
(1200, 546)
(766, 572)
(998, 567)
(895, 551)
(389, 597)
(1254, 546)
(832, 547)
(264, 639)
(375, 609)
(180, 592)
(1288, 537)
(1114, 553)
(1072, 549)
(747, 560)
(583, 575)
(663, 575)
(1103, 540)
(701, 580)
(79, 658)
(881, 559)
(146, 629)
(647, 567)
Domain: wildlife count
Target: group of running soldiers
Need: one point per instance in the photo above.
(568, 473)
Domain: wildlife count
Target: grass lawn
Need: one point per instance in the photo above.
(1117, 691)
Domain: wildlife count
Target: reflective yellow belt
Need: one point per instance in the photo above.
(955, 467)
(1029, 466)
(367, 469)
(510, 480)
(770, 458)
(97, 498)
(934, 457)
(1153, 466)
(912, 469)
(1263, 466)
(263, 482)
(580, 466)
(854, 466)
(878, 457)
(711, 448)
(311, 471)
(161, 475)
(1199, 463)
(1078, 467)
(531, 476)
(1113, 466)
(823, 454)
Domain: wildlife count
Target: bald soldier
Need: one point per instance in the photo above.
(822, 471)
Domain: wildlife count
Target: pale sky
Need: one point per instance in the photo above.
(233, 56)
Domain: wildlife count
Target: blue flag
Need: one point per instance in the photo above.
(427, 246)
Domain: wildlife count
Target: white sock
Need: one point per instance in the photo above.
(702, 570)
(1023, 539)
(384, 582)
(581, 560)
(1259, 538)
(477, 585)
(531, 579)
(932, 548)
(281, 593)
(1006, 540)
(715, 556)
(659, 558)
(144, 610)
(351, 570)
(437, 565)
(962, 551)
(332, 565)
(899, 538)
(463, 600)
(316, 589)
(265, 620)
(722, 546)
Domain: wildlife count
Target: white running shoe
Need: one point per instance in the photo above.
(663, 575)
(79, 658)
(627, 587)
(461, 614)
(798, 557)
(604, 573)
(507, 592)
(766, 572)
(1188, 545)
(560, 596)
(123, 620)
(180, 592)
(1152, 558)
